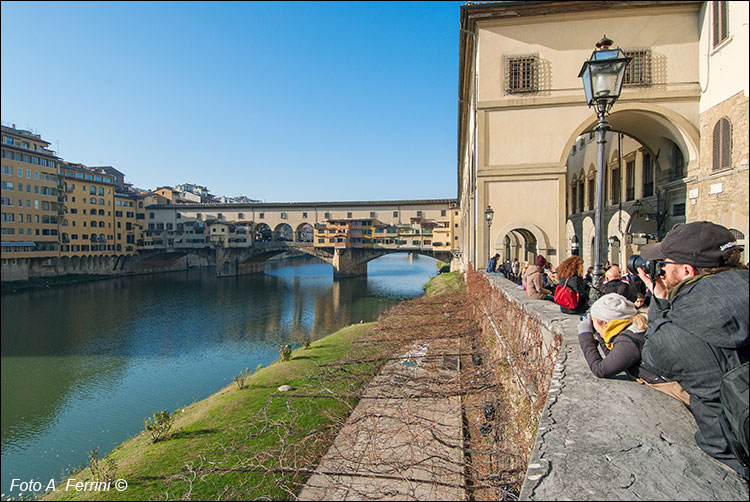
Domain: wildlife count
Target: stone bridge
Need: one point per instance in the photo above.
(347, 262)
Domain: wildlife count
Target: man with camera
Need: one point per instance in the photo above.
(698, 329)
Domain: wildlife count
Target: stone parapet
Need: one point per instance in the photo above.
(612, 439)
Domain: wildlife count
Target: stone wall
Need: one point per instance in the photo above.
(608, 439)
(722, 196)
(23, 269)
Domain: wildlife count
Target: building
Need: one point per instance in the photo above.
(88, 222)
(525, 131)
(30, 210)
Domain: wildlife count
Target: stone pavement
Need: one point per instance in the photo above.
(404, 439)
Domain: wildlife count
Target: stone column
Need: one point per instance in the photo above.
(349, 263)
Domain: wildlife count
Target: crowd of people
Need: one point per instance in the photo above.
(680, 328)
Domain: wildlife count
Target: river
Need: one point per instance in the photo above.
(84, 364)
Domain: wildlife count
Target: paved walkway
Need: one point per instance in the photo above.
(404, 439)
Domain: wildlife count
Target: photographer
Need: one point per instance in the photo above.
(698, 326)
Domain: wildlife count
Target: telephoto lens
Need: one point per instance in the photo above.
(635, 262)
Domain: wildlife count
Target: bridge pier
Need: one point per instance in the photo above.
(349, 263)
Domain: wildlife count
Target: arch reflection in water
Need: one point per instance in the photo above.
(84, 364)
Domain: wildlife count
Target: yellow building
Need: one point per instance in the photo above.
(88, 222)
(29, 196)
(128, 230)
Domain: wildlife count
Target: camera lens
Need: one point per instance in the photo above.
(636, 261)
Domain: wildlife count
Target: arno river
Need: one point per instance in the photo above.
(84, 364)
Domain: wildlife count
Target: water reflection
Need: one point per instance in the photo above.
(83, 364)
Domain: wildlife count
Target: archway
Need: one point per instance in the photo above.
(528, 238)
(262, 233)
(283, 232)
(305, 233)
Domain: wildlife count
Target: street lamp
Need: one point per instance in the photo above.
(602, 77)
(488, 214)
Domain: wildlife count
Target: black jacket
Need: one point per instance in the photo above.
(577, 284)
(621, 288)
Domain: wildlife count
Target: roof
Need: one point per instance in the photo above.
(312, 205)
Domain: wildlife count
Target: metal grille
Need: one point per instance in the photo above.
(638, 72)
(521, 74)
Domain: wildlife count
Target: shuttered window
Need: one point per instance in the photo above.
(721, 23)
(722, 145)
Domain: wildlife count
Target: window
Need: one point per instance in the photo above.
(349, 215)
(372, 214)
(638, 72)
(677, 163)
(395, 214)
(573, 198)
(721, 24)
(722, 144)
(678, 209)
(261, 215)
(521, 74)
(283, 216)
(151, 216)
(580, 194)
(327, 215)
(419, 214)
(616, 185)
(443, 212)
(648, 176)
(592, 193)
(630, 180)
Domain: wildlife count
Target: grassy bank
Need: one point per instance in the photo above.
(251, 443)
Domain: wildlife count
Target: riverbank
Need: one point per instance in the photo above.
(249, 443)
(9, 287)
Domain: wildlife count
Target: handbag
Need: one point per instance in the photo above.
(566, 297)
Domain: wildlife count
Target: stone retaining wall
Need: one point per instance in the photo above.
(609, 439)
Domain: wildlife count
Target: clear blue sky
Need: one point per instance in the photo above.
(282, 101)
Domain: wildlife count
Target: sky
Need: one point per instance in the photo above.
(277, 101)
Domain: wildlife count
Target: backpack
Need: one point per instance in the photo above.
(735, 419)
(566, 297)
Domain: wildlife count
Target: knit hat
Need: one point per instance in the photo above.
(540, 261)
(613, 306)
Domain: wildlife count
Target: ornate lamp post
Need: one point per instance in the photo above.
(602, 77)
(488, 214)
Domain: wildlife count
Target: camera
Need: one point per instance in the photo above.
(651, 267)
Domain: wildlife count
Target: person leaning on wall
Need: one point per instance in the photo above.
(616, 327)
(698, 330)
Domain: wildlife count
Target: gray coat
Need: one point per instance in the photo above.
(694, 339)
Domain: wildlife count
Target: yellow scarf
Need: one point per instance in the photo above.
(614, 328)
